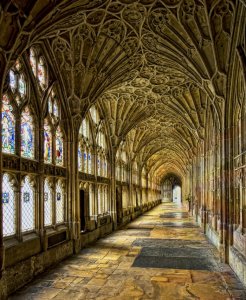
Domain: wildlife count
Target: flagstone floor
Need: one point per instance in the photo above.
(161, 255)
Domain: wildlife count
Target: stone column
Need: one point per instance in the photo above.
(113, 211)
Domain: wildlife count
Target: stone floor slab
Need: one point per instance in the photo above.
(150, 258)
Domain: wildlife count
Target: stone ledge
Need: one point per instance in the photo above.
(237, 261)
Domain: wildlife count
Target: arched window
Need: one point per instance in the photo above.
(17, 82)
(39, 67)
(59, 202)
(8, 127)
(85, 145)
(47, 143)
(59, 147)
(48, 209)
(27, 206)
(27, 134)
(9, 207)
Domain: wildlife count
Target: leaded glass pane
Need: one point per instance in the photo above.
(47, 143)
(79, 158)
(59, 203)
(27, 134)
(12, 80)
(47, 204)
(33, 62)
(89, 163)
(8, 127)
(8, 203)
(59, 147)
(41, 73)
(22, 86)
(98, 166)
(50, 106)
(55, 109)
(85, 162)
(27, 206)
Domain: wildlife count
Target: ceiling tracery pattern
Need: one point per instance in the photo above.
(154, 66)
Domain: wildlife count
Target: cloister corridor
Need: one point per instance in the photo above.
(162, 254)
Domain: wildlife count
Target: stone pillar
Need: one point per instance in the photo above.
(113, 211)
(73, 190)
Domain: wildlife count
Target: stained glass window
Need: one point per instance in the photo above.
(105, 168)
(8, 203)
(47, 143)
(59, 147)
(85, 162)
(22, 86)
(27, 134)
(41, 73)
(8, 127)
(89, 163)
(59, 203)
(12, 80)
(55, 109)
(47, 204)
(98, 166)
(33, 62)
(79, 158)
(27, 206)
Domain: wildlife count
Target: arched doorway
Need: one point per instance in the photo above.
(176, 194)
(171, 189)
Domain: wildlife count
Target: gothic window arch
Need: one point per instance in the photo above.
(39, 67)
(53, 133)
(17, 83)
(85, 146)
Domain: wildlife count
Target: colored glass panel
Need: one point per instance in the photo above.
(47, 143)
(8, 127)
(12, 80)
(85, 162)
(59, 147)
(89, 163)
(41, 73)
(27, 134)
(50, 106)
(55, 109)
(33, 62)
(22, 86)
(79, 158)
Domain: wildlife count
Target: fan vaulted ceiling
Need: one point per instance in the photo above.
(153, 66)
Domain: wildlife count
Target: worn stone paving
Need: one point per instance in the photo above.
(148, 259)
